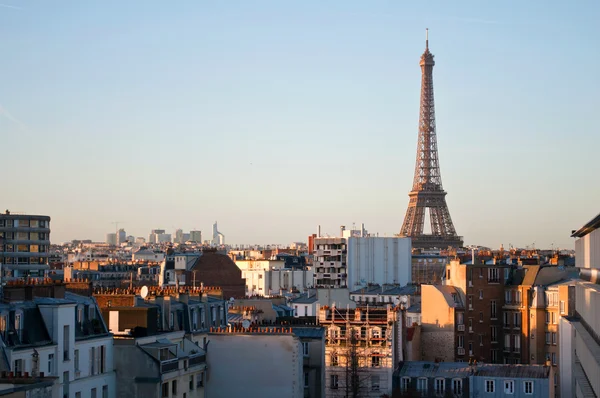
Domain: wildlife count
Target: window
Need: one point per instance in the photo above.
(494, 334)
(78, 394)
(547, 337)
(76, 360)
(375, 383)
(553, 358)
(50, 364)
(334, 360)
(481, 317)
(459, 318)
(494, 353)
(517, 339)
(470, 348)
(457, 386)
(440, 386)
(105, 391)
(165, 390)
(461, 341)
(305, 348)
(493, 313)
(191, 383)
(18, 365)
(554, 338)
(333, 382)
(422, 384)
(553, 318)
(518, 297)
(509, 387)
(405, 383)
(200, 380)
(528, 387)
(489, 386)
(481, 339)
(493, 275)
(94, 393)
(517, 319)
(306, 378)
(507, 296)
(375, 360)
(547, 317)
(93, 369)
(506, 316)
(481, 295)
(66, 340)
(174, 387)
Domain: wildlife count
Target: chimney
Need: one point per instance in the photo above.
(319, 231)
(342, 229)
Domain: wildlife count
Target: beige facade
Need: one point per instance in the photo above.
(362, 346)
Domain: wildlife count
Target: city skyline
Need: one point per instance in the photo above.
(273, 119)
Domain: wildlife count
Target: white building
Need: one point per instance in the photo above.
(218, 238)
(379, 261)
(255, 363)
(62, 336)
(358, 260)
(579, 356)
(196, 236)
(260, 282)
(121, 236)
(145, 254)
(111, 239)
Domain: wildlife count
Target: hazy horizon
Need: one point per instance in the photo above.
(274, 117)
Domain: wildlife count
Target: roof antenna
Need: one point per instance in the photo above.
(426, 39)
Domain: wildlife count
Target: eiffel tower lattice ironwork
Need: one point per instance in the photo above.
(427, 191)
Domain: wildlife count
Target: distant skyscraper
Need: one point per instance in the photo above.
(178, 236)
(218, 238)
(121, 236)
(196, 236)
(163, 238)
(111, 239)
(153, 237)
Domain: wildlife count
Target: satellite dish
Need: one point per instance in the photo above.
(144, 292)
(245, 324)
(403, 299)
(231, 299)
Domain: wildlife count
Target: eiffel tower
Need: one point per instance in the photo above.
(427, 191)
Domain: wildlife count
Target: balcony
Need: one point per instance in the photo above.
(460, 351)
(169, 366)
(197, 359)
(493, 280)
(460, 328)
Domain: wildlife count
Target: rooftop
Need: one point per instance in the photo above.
(587, 228)
(461, 369)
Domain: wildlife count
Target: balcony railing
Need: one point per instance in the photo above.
(169, 366)
(197, 359)
(461, 328)
(461, 351)
(493, 280)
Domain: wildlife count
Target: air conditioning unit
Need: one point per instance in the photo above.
(461, 351)
(461, 328)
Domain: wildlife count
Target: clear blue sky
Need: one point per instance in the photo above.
(275, 116)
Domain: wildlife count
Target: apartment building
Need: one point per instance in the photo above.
(49, 331)
(579, 346)
(461, 380)
(257, 362)
(24, 244)
(468, 308)
(361, 349)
